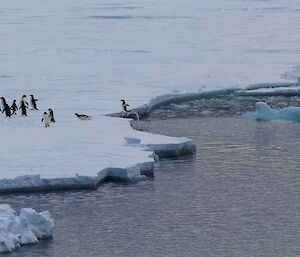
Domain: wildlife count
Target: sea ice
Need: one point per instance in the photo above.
(26, 228)
(265, 112)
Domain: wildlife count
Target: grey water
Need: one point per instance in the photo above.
(237, 196)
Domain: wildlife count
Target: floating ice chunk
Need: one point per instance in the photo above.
(41, 224)
(24, 229)
(172, 150)
(206, 112)
(265, 112)
(139, 171)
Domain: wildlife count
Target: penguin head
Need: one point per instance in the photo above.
(76, 113)
(123, 101)
(45, 113)
(24, 96)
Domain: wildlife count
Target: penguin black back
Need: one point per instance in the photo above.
(33, 102)
(7, 110)
(51, 115)
(23, 108)
(82, 116)
(3, 102)
(124, 106)
(14, 107)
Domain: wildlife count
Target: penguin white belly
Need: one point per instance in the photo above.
(46, 120)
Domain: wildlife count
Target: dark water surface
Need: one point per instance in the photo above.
(238, 196)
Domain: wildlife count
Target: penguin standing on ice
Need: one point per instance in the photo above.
(124, 106)
(5, 107)
(23, 108)
(51, 115)
(3, 102)
(82, 116)
(46, 120)
(7, 110)
(23, 100)
(14, 107)
(33, 102)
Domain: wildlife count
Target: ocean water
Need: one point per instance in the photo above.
(238, 196)
(90, 54)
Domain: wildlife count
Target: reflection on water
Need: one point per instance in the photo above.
(238, 196)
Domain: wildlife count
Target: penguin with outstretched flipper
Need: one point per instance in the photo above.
(33, 102)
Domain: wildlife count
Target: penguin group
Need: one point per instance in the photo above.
(47, 117)
(23, 106)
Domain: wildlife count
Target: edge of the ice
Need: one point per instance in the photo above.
(255, 90)
(34, 183)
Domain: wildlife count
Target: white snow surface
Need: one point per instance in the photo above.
(84, 56)
(71, 147)
(25, 228)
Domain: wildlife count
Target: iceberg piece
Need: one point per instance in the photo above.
(139, 171)
(172, 150)
(26, 228)
(265, 112)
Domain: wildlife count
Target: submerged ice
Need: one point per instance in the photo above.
(26, 228)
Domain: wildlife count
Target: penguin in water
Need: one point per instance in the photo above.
(23, 108)
(33, 102)
(124, 106)
(82, 116)
(7, 110)
(14, 107)
(46, 120)
(51, 115)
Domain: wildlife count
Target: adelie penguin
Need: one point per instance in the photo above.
(23, 100)
(3, 103)
(46, 120)
(82, 116)
(33, 102)
(23, 108)
(51, 115)
(7, 110)
(124, 106)
(5, 107)
(14, 107)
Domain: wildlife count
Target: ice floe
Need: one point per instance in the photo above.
(26, 228)
(265, 112)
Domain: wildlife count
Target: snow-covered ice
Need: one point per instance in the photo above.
(25, 228)
(71, 153)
